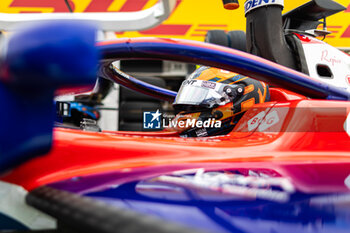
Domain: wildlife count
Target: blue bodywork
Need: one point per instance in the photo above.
(37, 61)
(303, 213)
(210, 210)
(7, 223)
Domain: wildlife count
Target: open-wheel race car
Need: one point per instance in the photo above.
(284, 166)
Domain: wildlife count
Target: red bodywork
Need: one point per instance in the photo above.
(309, 145)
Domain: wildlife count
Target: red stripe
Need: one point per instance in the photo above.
(117, 41)
(320, 27)
(346, 33)
(133, 5)
(74, 90)
(201, 30)
(168, 29)
(24, 12)
(58, 5)
(212, 25)
(94, 6)
(348, 10)
(98, 6)
(128, 6)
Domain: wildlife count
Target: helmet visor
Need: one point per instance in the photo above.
(201, 93)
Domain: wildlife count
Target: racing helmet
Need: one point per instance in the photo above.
(211, 101)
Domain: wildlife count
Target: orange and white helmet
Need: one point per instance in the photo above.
(211, 96)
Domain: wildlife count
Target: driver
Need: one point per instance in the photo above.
(217, 96)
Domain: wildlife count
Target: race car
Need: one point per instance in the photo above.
(284, 166)
(292, 40)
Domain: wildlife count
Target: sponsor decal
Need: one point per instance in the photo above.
(168, 29)
(27, 6)
(303, 38)
(262, 121)
(232, 185)
(346, 33)
(253, 4)
(255, 121)
(326, 57)
(270, 120)
(201, 133)
(93, 6)
(208, 84)
(348, 79)
(189, 82)
(184, 24)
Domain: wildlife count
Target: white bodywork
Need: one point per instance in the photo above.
(12, 205)
(321, 54)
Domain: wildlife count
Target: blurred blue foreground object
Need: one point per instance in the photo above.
(35, 62)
